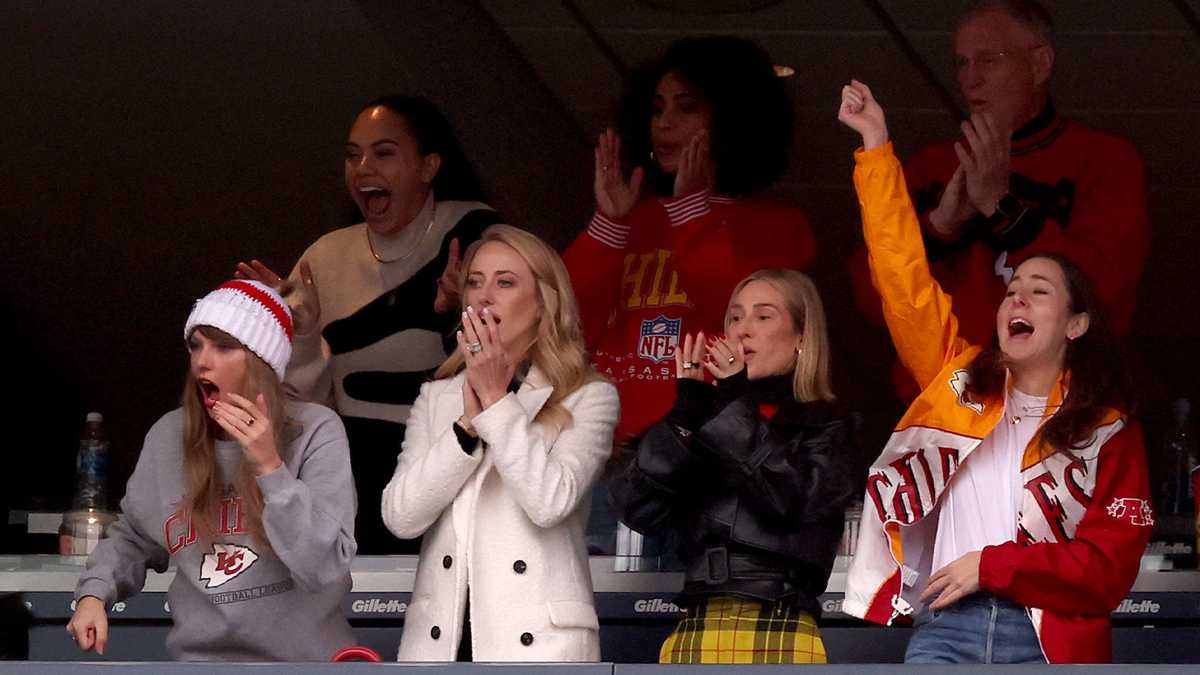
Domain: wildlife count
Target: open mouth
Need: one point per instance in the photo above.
(210, 393)
(375, 200)
(666, 149)
(1018, 327)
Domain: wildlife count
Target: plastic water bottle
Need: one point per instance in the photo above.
(91, 467)
(88, 520)
(1181, 455)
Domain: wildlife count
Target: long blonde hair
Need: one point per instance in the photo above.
(558, 350)
(811, 375)
(201, 504)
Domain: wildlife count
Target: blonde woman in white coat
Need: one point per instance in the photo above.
(498, 462)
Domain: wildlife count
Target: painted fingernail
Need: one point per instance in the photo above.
(470, 309)
(486, 311)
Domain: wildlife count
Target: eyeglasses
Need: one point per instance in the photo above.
(990, 58)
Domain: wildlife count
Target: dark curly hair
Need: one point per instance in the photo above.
(1100, 378)
(456, 179)
(752, 115)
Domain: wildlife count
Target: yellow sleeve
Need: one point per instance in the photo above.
(918, 312)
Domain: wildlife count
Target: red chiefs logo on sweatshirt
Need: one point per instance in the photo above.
(225, 563)
(179, 532)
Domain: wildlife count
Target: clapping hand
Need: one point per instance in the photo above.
(986, 167)
(615, 196)
(489, 368)
(471, 406)
(689, 357)
(696, 170)
(302, 298)
(447, 284)
(955, 206)
(724, 357)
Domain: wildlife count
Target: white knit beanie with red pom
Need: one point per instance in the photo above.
(253, 313)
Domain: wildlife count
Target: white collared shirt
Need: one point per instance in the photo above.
(980, 506)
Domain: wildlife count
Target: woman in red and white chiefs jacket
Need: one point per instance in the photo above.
(1010, 508)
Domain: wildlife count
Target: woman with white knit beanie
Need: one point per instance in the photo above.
(248, 494)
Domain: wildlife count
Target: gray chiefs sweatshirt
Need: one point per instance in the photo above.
(232, 599)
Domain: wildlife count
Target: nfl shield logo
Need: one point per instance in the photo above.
(659, 338)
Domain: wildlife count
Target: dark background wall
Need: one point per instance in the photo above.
(147, 146)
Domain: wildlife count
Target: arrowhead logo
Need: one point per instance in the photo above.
(1002, 268)
(225, 562)
(958, 383)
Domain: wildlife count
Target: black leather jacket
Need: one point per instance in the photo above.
(757, 503)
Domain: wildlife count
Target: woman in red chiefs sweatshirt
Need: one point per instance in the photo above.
(1010, 508)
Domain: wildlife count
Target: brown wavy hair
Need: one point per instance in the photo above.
(558, 350)
(1098, 377)
(202, 503)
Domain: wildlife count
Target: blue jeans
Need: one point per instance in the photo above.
(979, 628)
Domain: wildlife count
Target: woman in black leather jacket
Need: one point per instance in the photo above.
(752, 474)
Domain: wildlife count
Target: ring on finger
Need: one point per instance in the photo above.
(474, 347)
(250, 422)
(688, 365)
(732, 359)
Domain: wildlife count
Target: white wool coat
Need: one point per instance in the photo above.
(506, 522)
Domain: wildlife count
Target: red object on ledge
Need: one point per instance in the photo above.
(357, 653)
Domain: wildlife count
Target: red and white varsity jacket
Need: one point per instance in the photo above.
(1085, 517)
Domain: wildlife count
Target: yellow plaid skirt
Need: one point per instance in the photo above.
(725, 629)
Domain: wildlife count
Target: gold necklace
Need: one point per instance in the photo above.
(410, 251)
